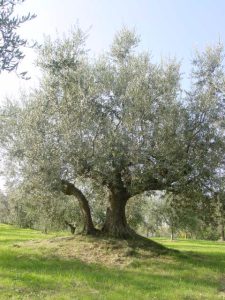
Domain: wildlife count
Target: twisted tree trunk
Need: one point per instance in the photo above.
(116, 223)
(70, 189)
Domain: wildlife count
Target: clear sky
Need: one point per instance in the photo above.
(167, 27)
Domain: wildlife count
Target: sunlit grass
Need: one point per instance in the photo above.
(197, 272)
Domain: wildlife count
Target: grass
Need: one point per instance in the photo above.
(38, 266)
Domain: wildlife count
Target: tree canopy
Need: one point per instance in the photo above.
(121, 122)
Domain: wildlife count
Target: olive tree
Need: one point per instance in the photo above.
(119, 121)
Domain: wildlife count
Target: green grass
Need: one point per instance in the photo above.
(197, 272)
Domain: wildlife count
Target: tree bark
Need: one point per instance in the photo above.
(69, 189)
(221, 216)
(71, 226)
(116, 223)
(172, 233)
(222, 231)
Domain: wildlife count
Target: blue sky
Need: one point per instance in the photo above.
(167, 28)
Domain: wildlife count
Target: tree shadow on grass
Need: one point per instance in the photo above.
(213, 261)
(41, 275)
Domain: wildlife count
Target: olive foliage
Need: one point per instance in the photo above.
(11, 43)
(119, 121)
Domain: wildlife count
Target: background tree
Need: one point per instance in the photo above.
(11, 43)
(4, 208)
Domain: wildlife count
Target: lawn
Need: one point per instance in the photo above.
(34, 270)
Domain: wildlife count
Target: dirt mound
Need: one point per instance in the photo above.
(99, 250)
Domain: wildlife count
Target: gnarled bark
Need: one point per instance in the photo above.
(70, 189)
(116, 223)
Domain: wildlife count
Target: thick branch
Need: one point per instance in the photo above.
(70, 189)
(151, 184)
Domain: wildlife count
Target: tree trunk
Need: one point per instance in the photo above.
(222, 232)
(71, 226)
(45, 230)
(116, 223)
(172, 233)
(69, 189)
(221, 216)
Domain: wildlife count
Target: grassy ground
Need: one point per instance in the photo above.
(80, 268)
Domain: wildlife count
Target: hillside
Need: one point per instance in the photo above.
(38, 266)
